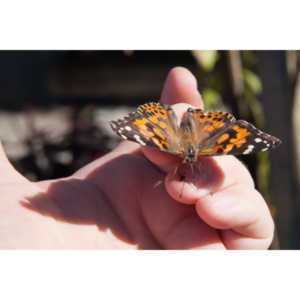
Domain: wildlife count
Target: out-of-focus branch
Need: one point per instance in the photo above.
(293, 68)
(235, 64)
(277, 103)
(237, 82)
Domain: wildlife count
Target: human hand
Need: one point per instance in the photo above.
(132, 198)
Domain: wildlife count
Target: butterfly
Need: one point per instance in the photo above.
(199, 134)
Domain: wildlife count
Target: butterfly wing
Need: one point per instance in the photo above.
(219, 133)
(204, 126)
(153, 125)
(244, 138)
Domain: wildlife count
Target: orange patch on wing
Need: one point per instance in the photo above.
(161, 144)
(164, 143)
(223, 138)
(157, 142)
(202, 117)
(197, 115)
(238, 142)
(241, 132)
(154, 108)
(224, 150)
(241, 135)
(209, 128)
(228, 148)
(157, 132)
(205, 119)
(157, 110)
(207, 151)
(218, 124)
(141, 124)
(155, 120)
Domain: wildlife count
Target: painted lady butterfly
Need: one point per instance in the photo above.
(213, 133)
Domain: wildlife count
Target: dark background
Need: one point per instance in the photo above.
(54, 108)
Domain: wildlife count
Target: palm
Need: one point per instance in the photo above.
(127, 199)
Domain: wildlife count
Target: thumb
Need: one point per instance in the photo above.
(8, 173)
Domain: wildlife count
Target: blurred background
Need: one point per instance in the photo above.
(55, 107)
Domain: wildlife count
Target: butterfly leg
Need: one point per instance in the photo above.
(157, 184)
(181, 192)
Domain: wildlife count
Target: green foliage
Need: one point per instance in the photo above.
(212, 99)
(263, 171)
(207, 59)
(252, 81)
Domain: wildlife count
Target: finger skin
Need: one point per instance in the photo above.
(175, 225)
(181, 86)
(225, 198)
(241, 213)
(208, 176)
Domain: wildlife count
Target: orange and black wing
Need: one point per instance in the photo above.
(219, 133)
(153, 125)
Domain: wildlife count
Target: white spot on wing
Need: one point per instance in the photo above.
(123, 136)
(257, 140)
(127, 128)
(249, 149)
(139, 140)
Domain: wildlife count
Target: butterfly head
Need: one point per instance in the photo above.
(190, 155)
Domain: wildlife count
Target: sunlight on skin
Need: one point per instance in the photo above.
(116, 202)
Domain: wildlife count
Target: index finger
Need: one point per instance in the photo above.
(181, 87)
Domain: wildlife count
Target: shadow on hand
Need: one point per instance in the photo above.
(78, 201)
(81, 201)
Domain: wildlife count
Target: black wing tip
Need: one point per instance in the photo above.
(276, 142)
(273, 139)
(112, 124)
